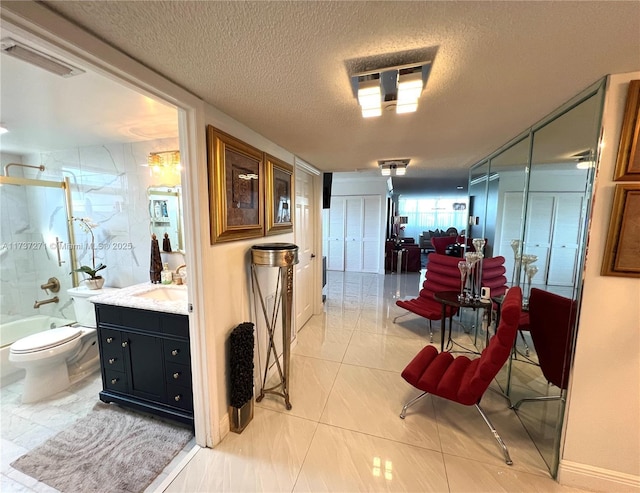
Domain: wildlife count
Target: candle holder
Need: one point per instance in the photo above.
(527, 259)
(478, 244)
(531, 271)
(473, 258)
(515, 246)
(465, 268)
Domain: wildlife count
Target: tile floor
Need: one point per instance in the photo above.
(25, 426)
(344, 434)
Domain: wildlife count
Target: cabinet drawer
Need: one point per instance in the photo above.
(180, 397)
(108, 314)
(177, 325)
(111, 354)
(177, 351)
(115, 380)
(177, 374)
(110, 338)
(112, 360)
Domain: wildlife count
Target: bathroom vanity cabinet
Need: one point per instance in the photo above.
(145, 360)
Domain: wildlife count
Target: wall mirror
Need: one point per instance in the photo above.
(165, 216)
(537, 196)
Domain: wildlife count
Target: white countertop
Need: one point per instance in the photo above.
(127, 297)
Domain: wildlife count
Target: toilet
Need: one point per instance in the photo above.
(56, 358)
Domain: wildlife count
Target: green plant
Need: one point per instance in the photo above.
(87, 226)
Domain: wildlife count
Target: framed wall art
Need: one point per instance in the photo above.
(622, 250)
(236, 188)
(279, 204)
(628, 162)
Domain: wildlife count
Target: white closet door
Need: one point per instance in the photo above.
(353, 234)
(510, 228)
(372, 222)
(538, 232)
(565, 239)
(335, 236)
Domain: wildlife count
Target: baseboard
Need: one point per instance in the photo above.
(224, 426)
(596, 478)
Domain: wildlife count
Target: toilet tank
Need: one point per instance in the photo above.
(84, 310)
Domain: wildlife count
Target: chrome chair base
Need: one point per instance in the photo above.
(505, 450)
(403, 413)
(430, 327)
(516, 406)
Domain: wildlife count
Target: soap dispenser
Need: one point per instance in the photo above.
(166, 275)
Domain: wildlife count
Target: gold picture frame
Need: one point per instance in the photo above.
(622, 249)
(236, 188)
(279, 203)
(628, 162)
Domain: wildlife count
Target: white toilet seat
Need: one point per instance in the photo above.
(46, 340)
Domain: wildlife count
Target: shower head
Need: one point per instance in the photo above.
(7, 166)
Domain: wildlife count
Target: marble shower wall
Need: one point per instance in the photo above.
(108, 186)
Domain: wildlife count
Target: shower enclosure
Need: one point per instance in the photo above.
(35, 240)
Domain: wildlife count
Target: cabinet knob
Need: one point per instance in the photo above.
(112, 361)
(176, 375)
(125, 343)
(175, 352)
(177, 398)
(109, 340)
(114, 381)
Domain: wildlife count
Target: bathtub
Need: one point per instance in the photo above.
(12, 331)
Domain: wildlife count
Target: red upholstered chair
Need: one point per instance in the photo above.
(464, 380)
(440, 243)
(442, 275)
(493, 275)
(551, 321)
(412, 257)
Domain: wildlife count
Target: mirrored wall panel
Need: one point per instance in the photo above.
(535, 213)
(165, 217)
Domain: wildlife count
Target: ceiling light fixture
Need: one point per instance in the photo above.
(399, 86)
(395, 167)
(30, 55)
(369, 96)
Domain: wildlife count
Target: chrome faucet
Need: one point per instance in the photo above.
(38, 304)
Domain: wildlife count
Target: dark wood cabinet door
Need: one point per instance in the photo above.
(146, 365)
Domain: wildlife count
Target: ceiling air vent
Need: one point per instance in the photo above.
(23, 52)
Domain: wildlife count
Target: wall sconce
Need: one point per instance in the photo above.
(165, 159)
(396, 167)
(399, 86)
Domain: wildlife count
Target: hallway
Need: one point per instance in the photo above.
(344, 434)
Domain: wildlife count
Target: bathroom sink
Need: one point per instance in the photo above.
(164, 294)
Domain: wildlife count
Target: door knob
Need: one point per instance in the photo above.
(313, 255)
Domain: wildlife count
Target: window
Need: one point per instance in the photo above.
(428, 214)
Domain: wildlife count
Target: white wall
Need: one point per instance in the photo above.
(351, 184)
(109, 186)
(602, 421)
(358, 184)
(226, 274)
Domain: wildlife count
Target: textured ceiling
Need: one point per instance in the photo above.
(281, 68)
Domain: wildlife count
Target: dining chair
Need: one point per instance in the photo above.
(463, 380)
(551, 321)
(442, 275)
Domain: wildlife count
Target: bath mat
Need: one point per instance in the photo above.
(112, 449)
